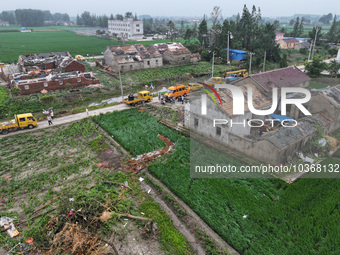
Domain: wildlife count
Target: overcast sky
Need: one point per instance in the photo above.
(269, 8)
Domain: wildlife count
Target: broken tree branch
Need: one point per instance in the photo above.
(109, 243)
(46, 205)
(133, 217)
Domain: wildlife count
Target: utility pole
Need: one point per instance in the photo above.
(310, 49)
(264, 61)
(212, 67)
(228, 63)
(121, 85)
(251, 54)
(316, 33)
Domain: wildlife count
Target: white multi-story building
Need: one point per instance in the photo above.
(127, 29)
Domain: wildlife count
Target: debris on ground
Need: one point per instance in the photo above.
(73, 239)
(140, 162)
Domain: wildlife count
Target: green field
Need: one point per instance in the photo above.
(14, 44)
(255, 216)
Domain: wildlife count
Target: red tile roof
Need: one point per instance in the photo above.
(284, 77)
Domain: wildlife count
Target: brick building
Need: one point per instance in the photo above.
(44, 61)
(55, 82)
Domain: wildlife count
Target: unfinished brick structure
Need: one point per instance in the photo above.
(55, 82)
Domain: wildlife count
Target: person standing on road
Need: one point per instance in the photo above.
(87, 111)
(51, 113)
(173, 99)
(143, 101)
(182, 97)
(159, 96)
(49, 119)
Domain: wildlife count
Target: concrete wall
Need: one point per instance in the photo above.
(234, 137)
(108, 57)
(319, 103)
(174, 59)
(153, 62)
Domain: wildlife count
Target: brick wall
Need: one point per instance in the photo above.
(75, 66)
(36, 87)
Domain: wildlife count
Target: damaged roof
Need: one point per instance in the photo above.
(283, 137)
(132, 53)
(174, 48)
(260, 100)
(332, 95)
(284, 77)
(44, 55)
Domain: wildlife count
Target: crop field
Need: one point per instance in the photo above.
(255, 216)
(76, 168)
(14, 44)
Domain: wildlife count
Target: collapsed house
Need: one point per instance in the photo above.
(62, 61)
(270, 142)
(174, 53)
(131, 57)
(326, 102)
(55, 82)
(262, 137)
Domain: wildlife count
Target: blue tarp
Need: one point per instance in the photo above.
(281, 118)
(235, 54)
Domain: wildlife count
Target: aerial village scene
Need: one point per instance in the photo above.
(148, 128)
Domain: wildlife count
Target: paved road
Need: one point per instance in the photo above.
(83, 115)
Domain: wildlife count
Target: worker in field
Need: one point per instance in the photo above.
(49, 120)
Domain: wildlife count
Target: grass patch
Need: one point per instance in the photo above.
(317, 85)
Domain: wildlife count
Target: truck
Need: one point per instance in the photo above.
(20, 121)
(135, 100)
(238, 73)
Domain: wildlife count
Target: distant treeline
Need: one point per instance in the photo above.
(32, 18)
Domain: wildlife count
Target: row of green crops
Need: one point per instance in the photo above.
(255, 216)
(259, 216)
(136, 131)
(14, 44)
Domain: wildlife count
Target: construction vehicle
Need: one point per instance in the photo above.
(2, 65)
(239, 73)
(176, 91)
(195, 86)
(80, 58)
(215, 80)
(135, 100)
(20, 121)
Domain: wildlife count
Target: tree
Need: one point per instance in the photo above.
(331, 35)
(203, 33)
(7, 16)
(315, 67)
(129, 15)
(214, 15)
(296, 28)
(283, 61)
(29, 17)
(333, 68)
(119, 17)
(79, 21)
(313, 32)
(171, 30)
(326, 19)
